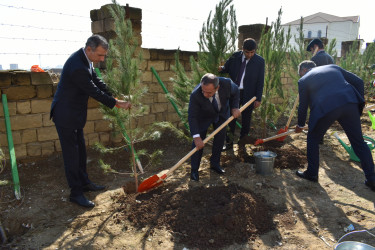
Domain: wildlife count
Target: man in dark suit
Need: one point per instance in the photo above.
(211, 102)
(78, 81)
(246, 69)
(332, 94)
(320, 57)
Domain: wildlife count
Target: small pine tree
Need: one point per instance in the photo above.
(123, 77)
(360, 64)
(272, 47)
(216, 42)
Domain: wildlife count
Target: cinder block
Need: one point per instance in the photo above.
(97, 26)
(48, 148)
(34, 149)
(5, 79)
(21, 78)
(47, 134)
(40, 78)
(23, 107)
(15, 93)
(44, 91)
(28, 135)
(41, 106)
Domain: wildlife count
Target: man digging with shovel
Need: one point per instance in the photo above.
(332, 94)
(211, 102)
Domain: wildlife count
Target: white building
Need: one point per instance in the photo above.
(321, 25)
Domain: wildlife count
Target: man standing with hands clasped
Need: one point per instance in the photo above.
(78, 82)
(246, 69)
(211, 102)
(332, 94)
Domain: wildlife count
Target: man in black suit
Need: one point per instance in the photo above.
(78, 81)
(320, 57)
(246, 69)
(332, 94)
(211, 102)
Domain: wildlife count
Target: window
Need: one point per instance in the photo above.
(309, 34)
(319, 33)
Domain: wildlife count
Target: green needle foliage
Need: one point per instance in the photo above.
(360, 64)
(272, 47)
(123, 76)
(217, 41)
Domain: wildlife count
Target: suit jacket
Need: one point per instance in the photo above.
(77, 82)
(253, 81)
(201, 113)
(326, 88)
(322, 58)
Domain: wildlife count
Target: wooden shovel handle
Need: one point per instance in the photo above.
(207, 139)
(292, 112)
(281, 135)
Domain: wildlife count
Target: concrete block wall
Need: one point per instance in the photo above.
(30, 96)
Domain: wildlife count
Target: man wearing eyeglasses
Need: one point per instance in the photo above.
(212, 101)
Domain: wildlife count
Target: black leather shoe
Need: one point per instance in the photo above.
(82, 201)
(228, 146)
(307, 177)
(218, 170)
(92, 187)
(370, 184)
(194, 176)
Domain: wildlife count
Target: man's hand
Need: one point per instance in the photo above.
(123, 104)
(298, 129)
(220, 68)
(236, 113)
(198, 143)
(256, 104)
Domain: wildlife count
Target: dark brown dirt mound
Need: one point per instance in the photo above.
(204, 217)
(288, 155)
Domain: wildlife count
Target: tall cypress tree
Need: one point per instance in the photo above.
(123, 77)
(272, 47)
(217, 40)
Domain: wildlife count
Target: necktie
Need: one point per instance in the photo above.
(242, 69)
(214, 103)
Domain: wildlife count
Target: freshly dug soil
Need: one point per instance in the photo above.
(204, 217)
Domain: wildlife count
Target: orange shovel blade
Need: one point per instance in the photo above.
(282, 130)
(259, 141)
(149, 183)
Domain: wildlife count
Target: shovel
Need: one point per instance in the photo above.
(283, 130)
(259, 141)
(155, 180)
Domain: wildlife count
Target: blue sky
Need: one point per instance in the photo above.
(46, 32)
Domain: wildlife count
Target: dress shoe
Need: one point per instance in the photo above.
(82, 201)
(194, 176)
(92, 187)
(370, 184)
(218, 170)
(307, 177)
(228, 146)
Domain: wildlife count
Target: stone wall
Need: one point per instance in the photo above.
(30, 96)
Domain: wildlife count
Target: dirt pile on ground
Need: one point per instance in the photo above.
(208, 217)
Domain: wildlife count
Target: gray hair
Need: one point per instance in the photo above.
(307, 64)
(95, 41)
(209, 78)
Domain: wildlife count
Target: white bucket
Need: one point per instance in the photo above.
(353, 245)
(264, 161)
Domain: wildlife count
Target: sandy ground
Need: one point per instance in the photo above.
(303, 214)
